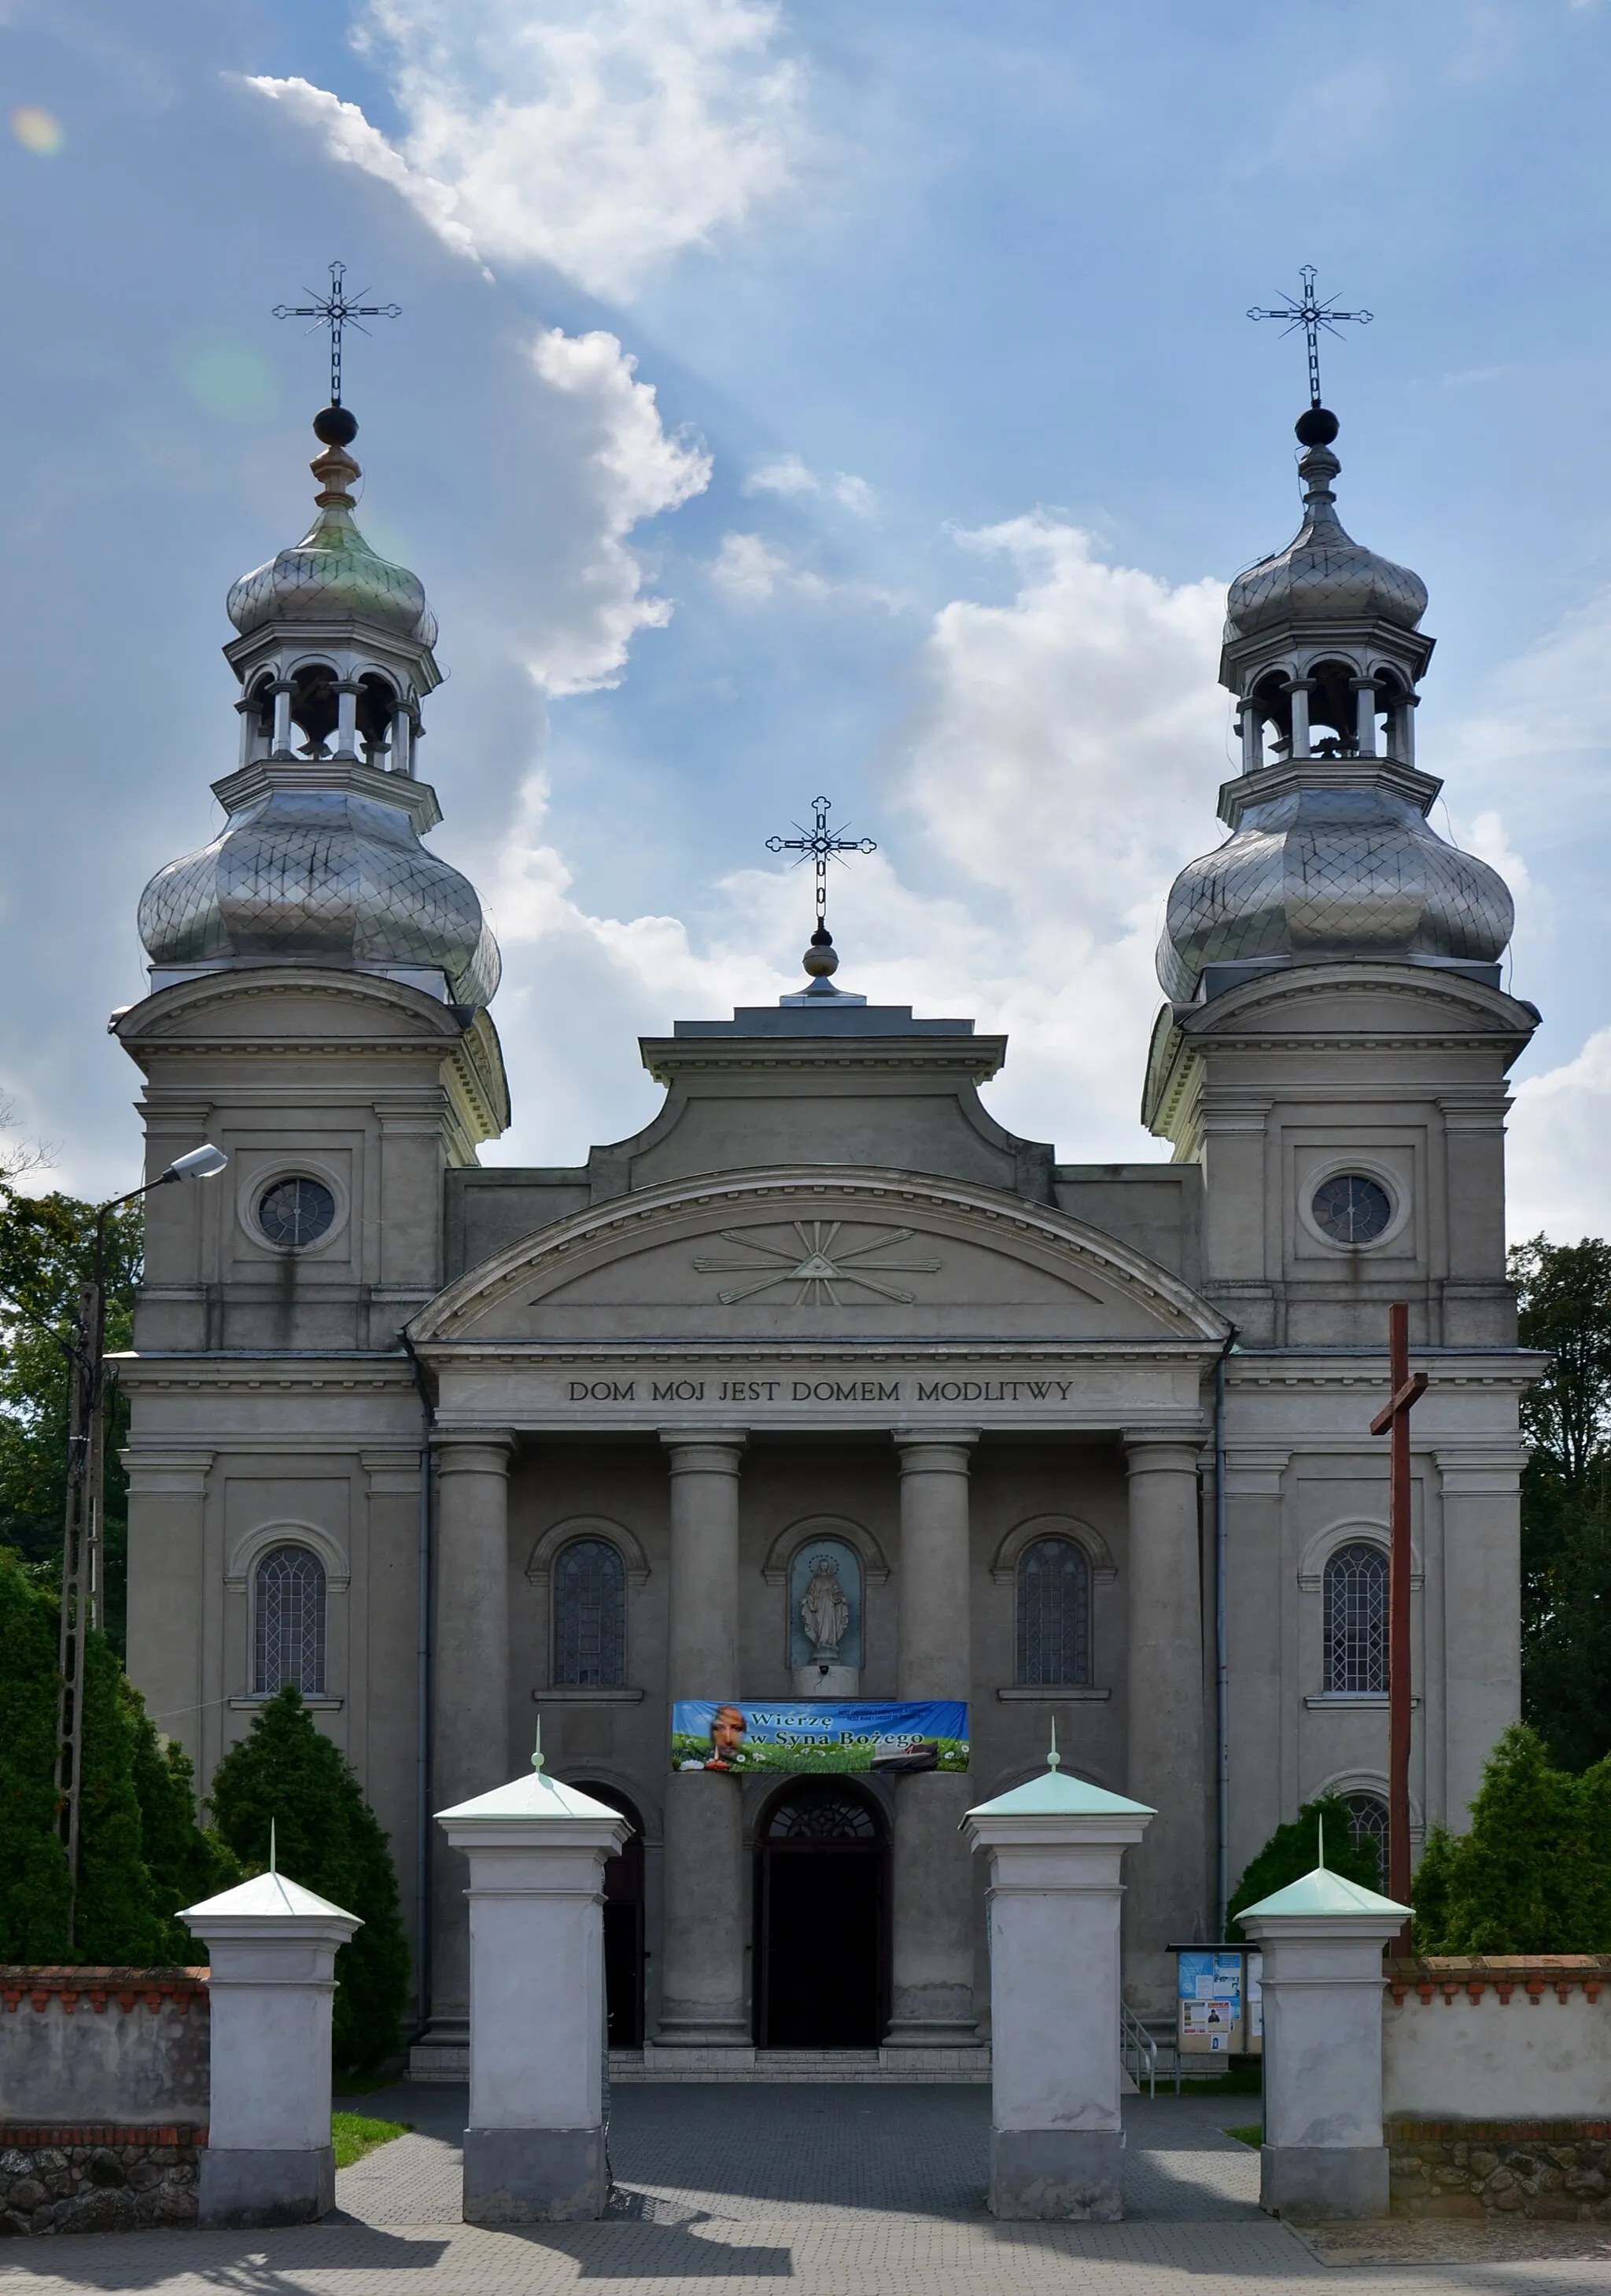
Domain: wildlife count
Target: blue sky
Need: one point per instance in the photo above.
(793, 399)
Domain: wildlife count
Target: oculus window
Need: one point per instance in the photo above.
(296, 1212)
(1352, 1209)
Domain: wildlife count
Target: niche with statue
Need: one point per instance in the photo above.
(825, 1620)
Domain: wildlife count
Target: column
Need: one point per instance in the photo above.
(1364, 707)
(470, 1689)
(1169, 1893)
(347, 717)
(280, 742)
(705, 2001)
(1299, 689)
(933, 2002)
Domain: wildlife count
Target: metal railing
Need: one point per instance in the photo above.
(1138, 2053)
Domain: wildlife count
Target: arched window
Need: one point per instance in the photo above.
(1356, 1619)
(590, 1616)
(1368, 1828)
(287, 1626)
(1054, 1612)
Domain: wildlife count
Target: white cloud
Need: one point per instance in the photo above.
(1557, 1175)
(1062, 767)
(602, 136)
(624, 467)
(788, 475)
(749, 571)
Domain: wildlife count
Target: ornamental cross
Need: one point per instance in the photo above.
(1407, 1390)
(337, 310)
(1307, 311)
(821, 844)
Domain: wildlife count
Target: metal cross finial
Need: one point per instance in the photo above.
(821, 844)
(336, 310)
(1308, 312)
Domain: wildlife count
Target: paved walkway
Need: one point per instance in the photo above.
(725, 2191)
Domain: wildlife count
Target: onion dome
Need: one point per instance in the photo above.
(308, 871)
(1323, 575)
(1331, 855)
(1321, 867)
(332, 575)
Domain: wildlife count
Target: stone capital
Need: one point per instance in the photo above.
(913, 1443)
(472, 1450)
(1164, 1450)
(704, 1451)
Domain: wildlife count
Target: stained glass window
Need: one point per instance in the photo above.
(590, 1616)
(1356, 1619)
(1054, 1612)
(289, 1625)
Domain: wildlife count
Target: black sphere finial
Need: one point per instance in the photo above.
(1316, 426)
(336, 426)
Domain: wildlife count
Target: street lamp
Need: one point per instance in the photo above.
(83, 1539)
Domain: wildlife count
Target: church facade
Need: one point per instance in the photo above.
(824, 1387)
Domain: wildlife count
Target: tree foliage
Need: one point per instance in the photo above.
(46, 1252)
(1565, 1296)
(288, 1772)
(141, 1853)
(1533, 1874)
(1293, 1851)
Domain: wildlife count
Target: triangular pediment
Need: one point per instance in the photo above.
(811, 1252)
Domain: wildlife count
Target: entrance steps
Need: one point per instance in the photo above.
(908, 2065)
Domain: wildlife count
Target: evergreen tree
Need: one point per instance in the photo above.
(1533, 1874)
(34, 1886)
(1293, 1851)
(185, 1864)
(287, 1772)
(115, 1916)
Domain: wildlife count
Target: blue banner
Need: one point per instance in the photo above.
(823, 1734)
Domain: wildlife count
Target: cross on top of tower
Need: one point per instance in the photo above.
(337, 310)
(822, 844)
(1309, 313)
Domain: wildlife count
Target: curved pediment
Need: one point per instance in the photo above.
(818, 1253)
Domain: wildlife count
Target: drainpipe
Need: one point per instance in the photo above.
(423, 1828)
(1221, 1666)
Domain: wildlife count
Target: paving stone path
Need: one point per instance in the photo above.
(722, 2191)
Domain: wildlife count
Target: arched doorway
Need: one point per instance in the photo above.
(623, 1925)
(822, 1925)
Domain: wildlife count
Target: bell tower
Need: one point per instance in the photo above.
(320, 981)
(1335, 1048)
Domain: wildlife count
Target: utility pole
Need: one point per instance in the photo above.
(84, 1527)
(1394, 1419)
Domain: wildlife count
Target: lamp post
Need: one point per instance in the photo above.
(82, 1526)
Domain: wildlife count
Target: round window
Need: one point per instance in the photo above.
(296, 1212)
(1350, 1209)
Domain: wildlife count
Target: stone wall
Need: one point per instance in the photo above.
(1550, 2168)
(104, 2084)
(1496, 2073)
(97, 2178)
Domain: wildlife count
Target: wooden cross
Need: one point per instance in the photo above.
(1406, 1392)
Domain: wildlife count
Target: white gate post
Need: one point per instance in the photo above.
(534, 2151)
(272, 1944)
(1057, 2144)
(1322, 1939)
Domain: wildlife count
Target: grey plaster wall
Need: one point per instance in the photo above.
(138, 2066)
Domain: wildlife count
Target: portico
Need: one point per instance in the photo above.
(925, 1456)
